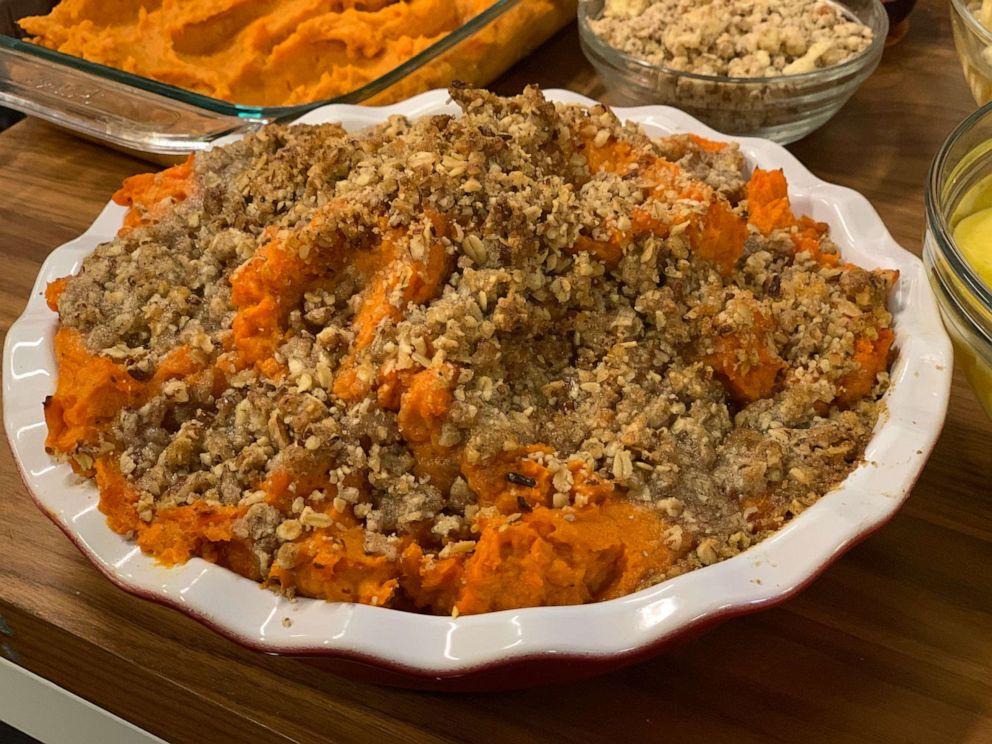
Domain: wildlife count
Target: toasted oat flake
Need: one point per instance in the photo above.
(288, 530)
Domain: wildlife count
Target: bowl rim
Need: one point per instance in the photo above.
(627, 627)
(850, 66)
(937, 220)
(964, 12)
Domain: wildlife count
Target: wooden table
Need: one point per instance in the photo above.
(892, 644)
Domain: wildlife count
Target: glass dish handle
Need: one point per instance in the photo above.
(119, 114)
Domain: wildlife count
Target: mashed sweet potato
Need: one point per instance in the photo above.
(523, 356)
(283, 52)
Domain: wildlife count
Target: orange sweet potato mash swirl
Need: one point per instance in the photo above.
(285, 52)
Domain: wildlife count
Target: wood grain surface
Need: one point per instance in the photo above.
(892, 644)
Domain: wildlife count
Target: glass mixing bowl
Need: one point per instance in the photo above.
(783, 109)
(974, 44)
(960, 183)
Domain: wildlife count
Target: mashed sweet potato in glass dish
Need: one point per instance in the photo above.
(288, 52)
(521, 356)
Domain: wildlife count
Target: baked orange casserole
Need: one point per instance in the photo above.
(284, 52)
(521, 356)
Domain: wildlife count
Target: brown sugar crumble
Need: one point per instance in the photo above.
(524, 355)
(736, 38)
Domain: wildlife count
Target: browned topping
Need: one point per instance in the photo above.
(737, 38)
(526, 321)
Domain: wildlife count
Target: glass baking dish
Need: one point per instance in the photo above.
(142, 115)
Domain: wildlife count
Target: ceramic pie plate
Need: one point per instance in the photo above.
(516, 648)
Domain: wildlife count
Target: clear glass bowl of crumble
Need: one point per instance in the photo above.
(783, 107)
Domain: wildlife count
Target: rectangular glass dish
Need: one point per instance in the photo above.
(143, 115)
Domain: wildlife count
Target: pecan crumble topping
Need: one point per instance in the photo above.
(524, 355)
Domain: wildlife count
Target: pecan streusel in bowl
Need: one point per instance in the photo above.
(778, 69)
(514, 356)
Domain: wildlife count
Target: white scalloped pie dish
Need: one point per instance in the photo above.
(518, 647)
